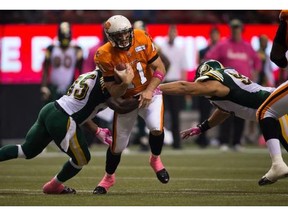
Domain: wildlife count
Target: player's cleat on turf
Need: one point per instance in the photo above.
(104, 185)
(52, 187)
(276, 172)
(163, 176)
(99, 190)
(159, 169)
(68, 190)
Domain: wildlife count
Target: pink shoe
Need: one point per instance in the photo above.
(53, 187)
(104, 185)
(159, 169)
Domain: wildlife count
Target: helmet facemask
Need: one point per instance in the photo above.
(121, 39)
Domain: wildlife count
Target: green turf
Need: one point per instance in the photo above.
(197, 178)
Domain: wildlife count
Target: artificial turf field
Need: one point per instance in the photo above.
(197, 178)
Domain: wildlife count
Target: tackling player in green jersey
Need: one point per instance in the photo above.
(232, 94)
(60, 121)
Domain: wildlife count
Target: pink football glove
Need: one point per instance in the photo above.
(104, 135)
(190, 132)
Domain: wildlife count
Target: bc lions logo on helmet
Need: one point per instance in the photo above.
(107, 25)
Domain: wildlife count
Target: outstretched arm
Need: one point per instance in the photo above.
(217, 117)
(207, 88)
(103, 134)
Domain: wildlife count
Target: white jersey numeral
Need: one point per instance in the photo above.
(140, 71)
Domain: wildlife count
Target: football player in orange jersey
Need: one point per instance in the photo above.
(135, 48)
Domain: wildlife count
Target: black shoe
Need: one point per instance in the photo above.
(99, 190)
(264, 181)
(68, 190)
(163, 176)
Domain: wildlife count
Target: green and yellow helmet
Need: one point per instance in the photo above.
(207, 66)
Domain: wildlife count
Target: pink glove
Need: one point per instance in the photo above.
(104, 135)
(190, 132)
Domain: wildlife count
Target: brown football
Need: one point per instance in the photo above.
(120, 67)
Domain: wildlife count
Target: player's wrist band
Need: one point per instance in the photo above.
(158, 74)
(204, 126)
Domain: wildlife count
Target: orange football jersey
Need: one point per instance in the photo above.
(141, 53)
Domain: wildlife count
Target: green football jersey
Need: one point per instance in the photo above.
(85, 98)
(244, 97)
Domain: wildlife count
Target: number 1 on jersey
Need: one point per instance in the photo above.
(140, 71)
(139, 68)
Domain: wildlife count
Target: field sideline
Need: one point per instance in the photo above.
(197, 178)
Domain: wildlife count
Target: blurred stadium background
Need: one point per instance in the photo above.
(26, 33)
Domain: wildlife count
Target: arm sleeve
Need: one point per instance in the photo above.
(152, 52)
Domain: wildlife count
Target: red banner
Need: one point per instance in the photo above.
(23, 46)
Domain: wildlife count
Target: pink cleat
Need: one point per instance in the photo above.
(53, 187)
(104, 185)
(159, 169)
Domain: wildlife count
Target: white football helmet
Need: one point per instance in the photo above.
(119, 32)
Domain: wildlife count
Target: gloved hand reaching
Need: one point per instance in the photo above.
(190, 132)
(104, 135)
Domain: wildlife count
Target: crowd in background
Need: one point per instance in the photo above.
(169, 17)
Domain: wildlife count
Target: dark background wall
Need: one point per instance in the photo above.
(19, 106)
